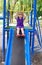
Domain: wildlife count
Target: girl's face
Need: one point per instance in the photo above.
(20, 15)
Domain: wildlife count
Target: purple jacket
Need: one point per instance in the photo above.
(20, 22)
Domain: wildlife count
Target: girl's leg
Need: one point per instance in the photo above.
(18, 29)
(22, 30)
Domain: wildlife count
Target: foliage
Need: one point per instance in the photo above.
(22, 5)
(39, 7)
(1, 5)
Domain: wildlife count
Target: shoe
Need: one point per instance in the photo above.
(17, 35)
(23, 35)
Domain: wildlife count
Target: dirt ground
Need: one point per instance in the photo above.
(36, 59)
(1, 58)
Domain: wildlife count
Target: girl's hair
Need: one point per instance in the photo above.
(20, 13)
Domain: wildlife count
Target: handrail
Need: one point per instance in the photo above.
(38, 32)
(9, 48)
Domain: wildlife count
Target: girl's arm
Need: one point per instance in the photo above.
(24, 16)
(16, 16)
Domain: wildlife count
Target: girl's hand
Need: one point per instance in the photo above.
(24, 16)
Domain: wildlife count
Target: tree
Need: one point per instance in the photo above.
(39, 7)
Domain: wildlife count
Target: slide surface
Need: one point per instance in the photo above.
(17, 56)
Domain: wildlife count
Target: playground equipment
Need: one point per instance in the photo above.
(29, 39)
(16, 49)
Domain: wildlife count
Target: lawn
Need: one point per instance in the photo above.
(1, 5)
(40, 20)
(1, 22)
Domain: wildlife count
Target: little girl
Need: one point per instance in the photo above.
(20, 19)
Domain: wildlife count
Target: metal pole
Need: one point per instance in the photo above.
(31, 23)
(4, 16)
(31, 26)
(27, 48)
(7, 26)
(34, 26)
(8, 14)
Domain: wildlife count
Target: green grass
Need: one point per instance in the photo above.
(1, 23)
(41, 24)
